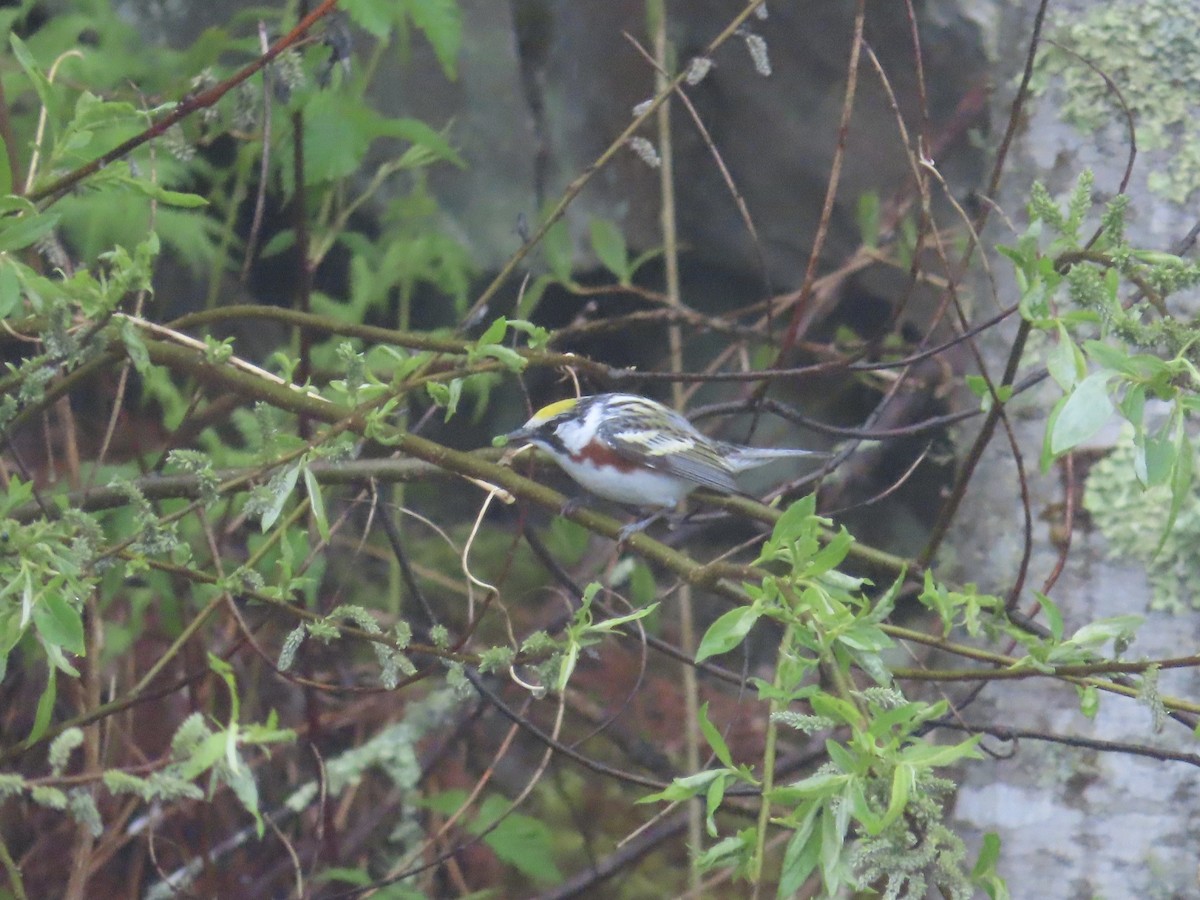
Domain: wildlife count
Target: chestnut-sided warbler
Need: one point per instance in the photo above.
(632, 450)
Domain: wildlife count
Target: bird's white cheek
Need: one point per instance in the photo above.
(638, 488)
(574, 435)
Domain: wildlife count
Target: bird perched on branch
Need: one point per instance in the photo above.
(635, 451)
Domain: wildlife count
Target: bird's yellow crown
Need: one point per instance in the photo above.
(553, 409)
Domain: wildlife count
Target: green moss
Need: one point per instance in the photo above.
(1150, 49)
(1132, 519)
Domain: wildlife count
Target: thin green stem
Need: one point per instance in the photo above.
(656, 15)
(768, 777)
(14, 872)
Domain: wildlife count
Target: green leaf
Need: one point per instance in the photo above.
(727, 632)
(933, 756)
(283, 240)
(375, 17)
(686, 787)
(608, 625)
(558, 251)
(867, 216)
(712, 803)
(352, 876)
(1107, 356)
(337, 133)
(873, 664)
(10, 633)
(18, 233)
(1086, 411)
(135, 347)
(830, 556)
(525, 843)
(1114, 628)
(608, 243)
(989, 855)
(731, 853)
(1133, 406)
(155, 191)
(281, 487)
(10, 289)
(642, 586)
(203, 756)
(1158, 461)
(800, 857)
(1089, 701)
(495, 332)
(6, 185)
(41, 84)
(713, 735)
(59, 623)
(839, 710)
(446, 395)
(860, 809)
(984, 872)
(317, 503)
(1181, 484)
(1046, 457)
(441, 21)
(833, 845)
(794, 522)
(240, 779)
(45, 706)
(1054, 619)
(1064, 362)
(447, 802)
(178, 199)
(1033, 304)
(423, 136)
(887, 600)
(532, 296)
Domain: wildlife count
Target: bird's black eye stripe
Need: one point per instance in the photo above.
(550, 438)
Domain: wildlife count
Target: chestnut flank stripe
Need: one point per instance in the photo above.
(600, 455)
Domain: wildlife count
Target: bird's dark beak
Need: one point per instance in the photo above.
(521, 434)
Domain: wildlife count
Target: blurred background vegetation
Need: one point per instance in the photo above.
(277, 619)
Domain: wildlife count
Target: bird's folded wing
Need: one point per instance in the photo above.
(677, 455)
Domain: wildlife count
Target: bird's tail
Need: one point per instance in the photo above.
(742, 458)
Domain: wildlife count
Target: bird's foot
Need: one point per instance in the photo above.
(572, 504)
(639, 526)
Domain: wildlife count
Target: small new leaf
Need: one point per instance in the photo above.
(608, 243)
(1086, 411)
(280, 487)
(316, 503)
(727, 632)
(713, 735)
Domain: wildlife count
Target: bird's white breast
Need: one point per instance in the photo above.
(637, 487)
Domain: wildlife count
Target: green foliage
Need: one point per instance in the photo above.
(608, 243)
(875, 810)
(517, 839)
(218, 491)
(73, 582)
(1133, 520)
(45, 575)
(197, 749)
(1112, 356)
(868, 213)
(582, 632)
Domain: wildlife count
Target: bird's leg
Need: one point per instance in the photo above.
(640, 525)
(579, 501)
